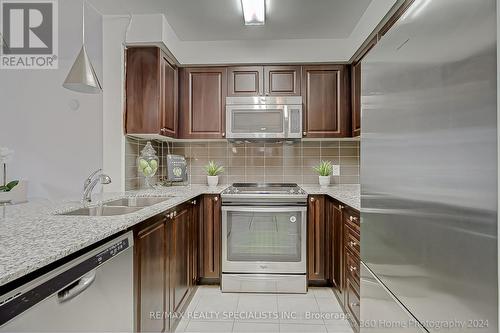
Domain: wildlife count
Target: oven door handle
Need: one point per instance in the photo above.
(286, 209)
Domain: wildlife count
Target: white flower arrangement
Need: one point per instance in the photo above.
(5, 158)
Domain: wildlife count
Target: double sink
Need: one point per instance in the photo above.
(118, 207)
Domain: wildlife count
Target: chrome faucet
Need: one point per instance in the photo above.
(91, 182)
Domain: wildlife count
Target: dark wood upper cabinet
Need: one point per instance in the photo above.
(245, 81)
(356, 98)
(282, 80)
(210, 239)
(317, 251)
(169, 97)
(151, 276)
(325, 92)
(264, 80)
(203, 94)
(151, 92)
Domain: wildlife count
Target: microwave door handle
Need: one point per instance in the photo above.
(286, 121)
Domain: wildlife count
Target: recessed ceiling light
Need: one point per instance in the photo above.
(254, 12)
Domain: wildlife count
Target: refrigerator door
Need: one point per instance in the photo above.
(429, 164)
(381, 313)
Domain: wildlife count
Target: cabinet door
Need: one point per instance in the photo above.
(151, 276)
(193, 234)
(203, 96)
(356, 98)
(335, 223)
(211, 238)
(326, 102)
(179, 258)
(316, 236)
(142, 91)
(245, 81)
(282, 80)
(168, 98)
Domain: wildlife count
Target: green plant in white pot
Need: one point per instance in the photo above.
(6, 188)
(213, 171)
(324, 170)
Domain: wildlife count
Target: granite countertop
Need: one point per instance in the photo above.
(348, 194)
(32, 235)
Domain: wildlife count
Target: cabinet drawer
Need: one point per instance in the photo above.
(352, 266)
(351, 241)
(353, 302)
(351, 218)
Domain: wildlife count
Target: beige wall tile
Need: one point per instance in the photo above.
(256, 162)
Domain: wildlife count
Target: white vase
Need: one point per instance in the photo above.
(324, 181)
(212, 180)
(5, 197)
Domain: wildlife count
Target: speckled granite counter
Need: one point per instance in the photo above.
(33, 236)
(348, 194)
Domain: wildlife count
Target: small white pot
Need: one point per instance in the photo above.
(5, 197)
(324, 181)
(212, 180)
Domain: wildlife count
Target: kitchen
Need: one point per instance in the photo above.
(261, 165)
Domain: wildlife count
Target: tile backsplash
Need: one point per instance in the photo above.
(253, 162)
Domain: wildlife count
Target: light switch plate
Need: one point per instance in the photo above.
(336, 170)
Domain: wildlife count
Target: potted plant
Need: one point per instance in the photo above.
(6, 188)
(213, 171)
(324, 170)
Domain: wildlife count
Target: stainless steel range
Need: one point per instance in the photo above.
(264, 238)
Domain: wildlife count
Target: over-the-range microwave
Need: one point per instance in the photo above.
(264, 118)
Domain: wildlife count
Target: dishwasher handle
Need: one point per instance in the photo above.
(76, 288)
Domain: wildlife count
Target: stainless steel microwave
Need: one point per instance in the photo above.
(262, 118)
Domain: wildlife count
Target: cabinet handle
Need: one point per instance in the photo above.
(352, 268)
(304, 133)
(341, 207)
(223, 134)
(170, 215)
(216, 199)
(353, 218)
(312, 199)
(175, 213)
(354, 304)
(163, 130)
(353, 244)
(193, 202)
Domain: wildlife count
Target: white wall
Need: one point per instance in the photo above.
(114, 28)
(55, 147)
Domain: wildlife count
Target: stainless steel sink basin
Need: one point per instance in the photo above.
(136, 201)
(102, 211)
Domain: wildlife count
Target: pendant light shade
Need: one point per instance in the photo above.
(82, 77)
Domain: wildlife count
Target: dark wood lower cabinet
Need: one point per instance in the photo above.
(210, 240)
(179, 257)
(165, 264)
(333, 257)
(151, 276)
(317, 250)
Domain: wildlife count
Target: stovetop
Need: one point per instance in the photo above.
(267, 188)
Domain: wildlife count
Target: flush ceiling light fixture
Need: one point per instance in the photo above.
(82, 76)
(254, 12)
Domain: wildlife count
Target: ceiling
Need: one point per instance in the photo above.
(216, 20)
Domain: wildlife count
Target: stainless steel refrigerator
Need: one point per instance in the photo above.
(429, 172)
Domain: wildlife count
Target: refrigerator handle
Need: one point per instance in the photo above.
(77, 288)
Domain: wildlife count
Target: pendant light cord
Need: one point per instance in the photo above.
(83, 23)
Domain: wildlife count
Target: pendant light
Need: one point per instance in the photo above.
(82, 76)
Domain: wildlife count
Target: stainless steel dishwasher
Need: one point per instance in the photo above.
(92, 293)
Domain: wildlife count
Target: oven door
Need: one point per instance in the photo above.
(256, 121)
(264, 239)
